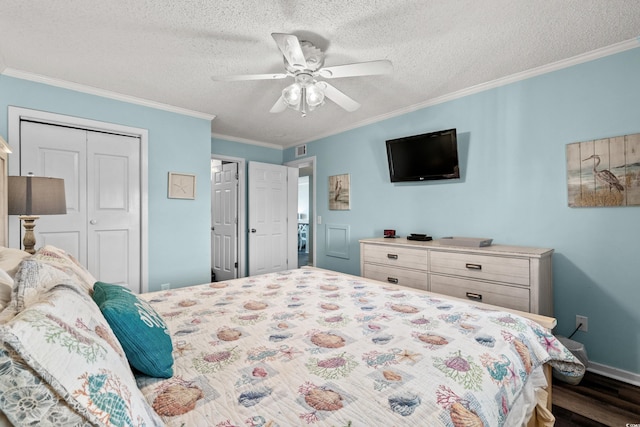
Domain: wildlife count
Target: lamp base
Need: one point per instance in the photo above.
(29, 239)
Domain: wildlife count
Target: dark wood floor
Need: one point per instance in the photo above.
(597, 401)
(303, 259)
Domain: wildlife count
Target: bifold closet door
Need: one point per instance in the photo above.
(113, 208)
(59, 152)
(102, 189)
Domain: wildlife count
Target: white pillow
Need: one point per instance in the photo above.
(10, 259)
(6, 286)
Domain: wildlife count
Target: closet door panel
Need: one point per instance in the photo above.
(59, 152)
(113, 208)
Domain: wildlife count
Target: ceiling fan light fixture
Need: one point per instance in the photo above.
(304, 95)
(305, 62)
(292, 95)
(314, 96)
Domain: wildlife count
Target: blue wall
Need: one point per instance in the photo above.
(178, 143)
(513, 189)
(512, 143)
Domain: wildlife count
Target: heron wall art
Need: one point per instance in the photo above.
(604, 172)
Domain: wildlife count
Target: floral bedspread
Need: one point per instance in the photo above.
(315, 347)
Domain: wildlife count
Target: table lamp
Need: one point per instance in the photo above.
(31, 196)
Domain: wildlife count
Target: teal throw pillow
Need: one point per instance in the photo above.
(139, 328)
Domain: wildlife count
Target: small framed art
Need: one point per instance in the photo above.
(182, 186)
(339, 192)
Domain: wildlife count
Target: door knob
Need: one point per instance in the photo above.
(253, 230)
(93, 222)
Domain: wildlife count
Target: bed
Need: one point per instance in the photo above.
(305, 347)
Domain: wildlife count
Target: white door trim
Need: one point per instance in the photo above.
(292, 217)
(242, 210)
(312, 219)
(16, 114)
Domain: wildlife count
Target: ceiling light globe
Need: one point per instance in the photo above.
(315, 96)
(291, 95)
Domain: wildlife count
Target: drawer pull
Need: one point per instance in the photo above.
(392, 280)
(473, 266)
(392, 256)
(474, 296)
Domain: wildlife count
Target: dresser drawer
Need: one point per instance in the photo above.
(497, 269)
(396, 256)
(489, 293)
(397, 276)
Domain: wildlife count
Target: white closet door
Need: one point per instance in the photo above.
(113, 208)
(59, 152)
(102, 189)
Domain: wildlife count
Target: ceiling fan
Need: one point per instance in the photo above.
(304, 62)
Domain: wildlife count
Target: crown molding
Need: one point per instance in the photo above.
(555, 66)
(544, 69)
(37, 78)
(247, 141)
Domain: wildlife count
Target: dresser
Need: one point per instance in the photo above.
(515, 277)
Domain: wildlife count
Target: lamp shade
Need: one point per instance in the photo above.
(34, 195)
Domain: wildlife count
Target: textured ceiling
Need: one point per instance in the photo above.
(167, 51)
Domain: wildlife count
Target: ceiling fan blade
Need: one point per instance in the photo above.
(339, 97)
(279, 106)
(242, 77)
(371, 68)
(289, 45)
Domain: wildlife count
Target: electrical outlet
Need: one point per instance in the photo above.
(585, 323)
(165, 286)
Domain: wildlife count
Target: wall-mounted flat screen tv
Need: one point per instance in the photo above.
(424, 157)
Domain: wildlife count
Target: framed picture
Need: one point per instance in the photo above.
(182, 186)
(339, 192)
(604, 172)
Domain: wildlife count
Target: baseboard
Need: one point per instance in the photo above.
(615, 373)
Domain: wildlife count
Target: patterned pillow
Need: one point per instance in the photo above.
(65, 339)
(63, 261)
(34, 278)
(139, 328)
(20, 385)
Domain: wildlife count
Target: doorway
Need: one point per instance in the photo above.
(306, 209)
(303, 221)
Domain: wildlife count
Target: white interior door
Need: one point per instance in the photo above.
(102, 189)
(273, 199)
(224, 221)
